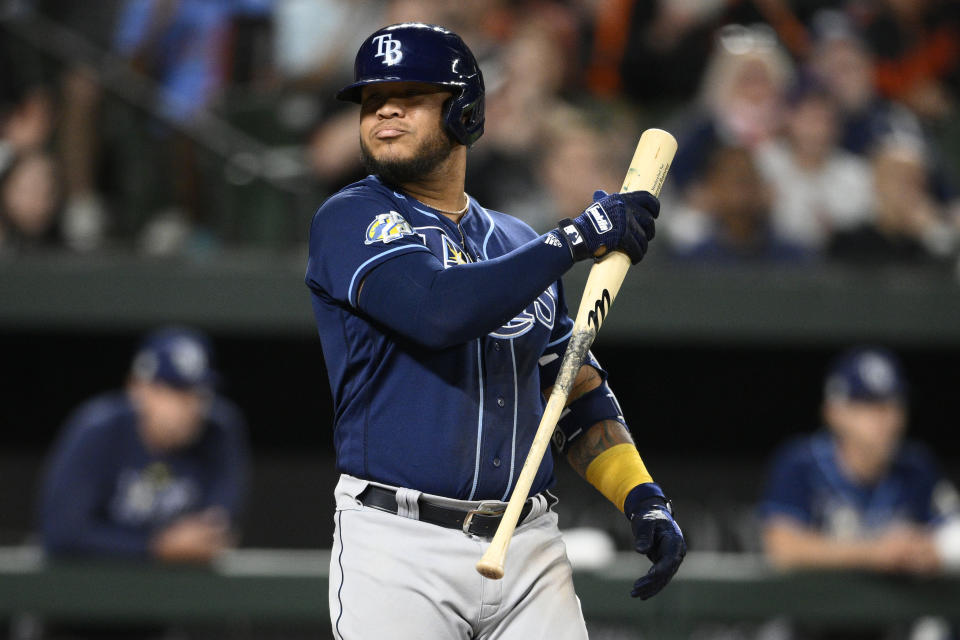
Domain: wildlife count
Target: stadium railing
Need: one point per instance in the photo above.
(290, 587)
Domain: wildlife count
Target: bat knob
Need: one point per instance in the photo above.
(490, 570)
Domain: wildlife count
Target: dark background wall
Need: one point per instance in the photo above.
(705, 416)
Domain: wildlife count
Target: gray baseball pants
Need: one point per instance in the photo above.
(394, 577)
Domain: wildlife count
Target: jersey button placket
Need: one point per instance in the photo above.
(501, 402)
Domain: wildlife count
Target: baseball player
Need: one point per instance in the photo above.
(158, 471)
(443, 325)
(858, 494)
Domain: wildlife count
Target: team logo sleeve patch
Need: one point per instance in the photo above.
(386, 228)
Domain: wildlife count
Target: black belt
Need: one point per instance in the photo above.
(481, 521)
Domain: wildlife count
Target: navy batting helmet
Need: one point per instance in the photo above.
(417, 52)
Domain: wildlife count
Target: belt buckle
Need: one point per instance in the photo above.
(484, 509)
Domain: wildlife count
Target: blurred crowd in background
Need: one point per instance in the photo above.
(809, 130)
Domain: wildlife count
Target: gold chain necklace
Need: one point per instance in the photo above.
(452, 213)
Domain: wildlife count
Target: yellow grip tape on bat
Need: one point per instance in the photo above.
(616, 471)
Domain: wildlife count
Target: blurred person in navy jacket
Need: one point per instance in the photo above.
(858, 494)
(156, 471)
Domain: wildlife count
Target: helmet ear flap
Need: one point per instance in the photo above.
(463, 116)
(449, 120)
(455, 120)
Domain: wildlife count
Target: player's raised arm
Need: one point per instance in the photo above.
(439, 307)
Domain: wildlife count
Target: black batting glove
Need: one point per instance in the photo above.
(614, 222)
(656, 535)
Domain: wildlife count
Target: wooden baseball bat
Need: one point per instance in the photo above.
(647, 171)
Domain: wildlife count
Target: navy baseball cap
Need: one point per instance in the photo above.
(177, 357)
(866, 375)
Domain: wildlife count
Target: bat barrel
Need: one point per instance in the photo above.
(651, 161)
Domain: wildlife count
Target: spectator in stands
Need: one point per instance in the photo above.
(917, 47)
(183, 46)
(155, 472)
(650, 52)
(28, 187)
(519, 107)
(187, 48)
(842, 62)
(741, 101)
(599, 155)
(85, 216)
(857, 495)
(313, 41)
(817, 187)
(29, 204)
(734, 225)
(26, 120)
(908, 226)
(541, 187)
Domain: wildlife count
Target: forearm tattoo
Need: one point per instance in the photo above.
(587, 380)
(595, 441)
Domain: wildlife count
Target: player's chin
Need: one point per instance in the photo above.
(393, 150)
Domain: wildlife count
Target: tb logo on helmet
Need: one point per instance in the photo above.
(388, 49)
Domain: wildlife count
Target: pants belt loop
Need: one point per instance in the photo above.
(537, 508)
(407, 506)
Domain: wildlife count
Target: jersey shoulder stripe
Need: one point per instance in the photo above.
(515, 227)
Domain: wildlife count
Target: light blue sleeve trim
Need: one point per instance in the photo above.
(559, 340)
(351, 296)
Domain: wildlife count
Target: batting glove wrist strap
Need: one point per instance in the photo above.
(644, 496)
(600, 226)
(614, 222)
(571, 234)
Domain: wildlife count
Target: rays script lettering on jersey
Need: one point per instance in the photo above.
(543, 310)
